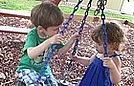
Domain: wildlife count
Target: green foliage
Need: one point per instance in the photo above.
(68, 10)
(91, 13)
(17, 4)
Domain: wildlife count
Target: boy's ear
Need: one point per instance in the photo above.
(40, 28)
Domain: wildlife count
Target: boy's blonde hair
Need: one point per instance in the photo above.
(115, 35)
(46, 14)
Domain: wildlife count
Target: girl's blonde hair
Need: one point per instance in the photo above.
(115, 34)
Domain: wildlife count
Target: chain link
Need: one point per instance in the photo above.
(82, 25)
(100, 6)
(65, 25)
(77, 41)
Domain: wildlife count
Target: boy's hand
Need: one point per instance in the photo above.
(56, 39)
(74, 57)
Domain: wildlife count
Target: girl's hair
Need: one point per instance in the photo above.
(46, 14)
(115, 35)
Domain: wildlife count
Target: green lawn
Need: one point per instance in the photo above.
(17, 4)
(91, 13)
(29, 4)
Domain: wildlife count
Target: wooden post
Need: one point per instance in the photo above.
(56, 2)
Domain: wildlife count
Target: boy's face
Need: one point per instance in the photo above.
(50, 31)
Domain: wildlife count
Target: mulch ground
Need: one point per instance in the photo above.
(11, 45)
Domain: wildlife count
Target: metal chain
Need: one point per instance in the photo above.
(65, 25)
(76, 43)
(81, 27)
(100, 5)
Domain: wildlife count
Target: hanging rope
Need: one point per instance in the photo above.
(77, 41)
(65, 25)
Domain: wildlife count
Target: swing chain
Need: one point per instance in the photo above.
(104, 28)
(82, 25)
(76, 43)
(100, 6)
(47, 61)
(65, 25)
(104, 38)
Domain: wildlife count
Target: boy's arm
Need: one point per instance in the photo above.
(33, 52)
(66, 47)
(69, 44)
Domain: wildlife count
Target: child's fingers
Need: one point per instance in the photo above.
(74, 57)
(105, 64)
(108, 62)
(56, 39)
(77, 36)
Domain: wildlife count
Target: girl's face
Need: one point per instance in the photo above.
(99, 48)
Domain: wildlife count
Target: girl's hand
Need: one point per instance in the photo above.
(56, 39)
(108, 62)
(76, 36)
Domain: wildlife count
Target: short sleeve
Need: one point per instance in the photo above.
(31, 41)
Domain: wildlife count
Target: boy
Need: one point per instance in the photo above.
(47, 19)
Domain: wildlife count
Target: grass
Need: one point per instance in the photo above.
(29, 4)
(17, 4)
(91, 13)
